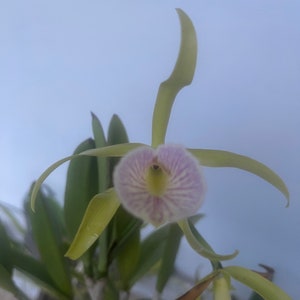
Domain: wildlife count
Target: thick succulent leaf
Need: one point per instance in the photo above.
(220, 158)
(102, 162)
(261, 285)
(99, 212)
(168, 258)
(151, 252)
(126, 244)
(12, 217)
(81, 186)
(5, 246)
(127, 259)
(197, 242)
(181, 76)
(125, 225)
(116, 135)
(110, 151)
(36, 271)
(116, 132)
(199, 288)
(48, 234)
(110, 291)
(123, 231)
(103, 183)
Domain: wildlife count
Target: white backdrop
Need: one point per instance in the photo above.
(59, 60)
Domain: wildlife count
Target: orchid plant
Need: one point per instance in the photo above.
(161, 184)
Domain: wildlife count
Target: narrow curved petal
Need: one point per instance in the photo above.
(220, 158)
(160, 185)
(181, 76)
(109, 151)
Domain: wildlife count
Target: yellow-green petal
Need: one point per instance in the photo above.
(221, 289)
(220, 158)
(261, 285)
(110, 151)
(99, 212)
(113, 150)
(201, 247)
(181, 76)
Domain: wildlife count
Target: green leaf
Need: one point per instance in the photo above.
(48, 235)
(264, 287)
(81, 186)
(116, 135)
(97, 215)
(125, 226)
(110, 291)
(127, 259)
(126, 244)
(103, 183)
(5, 246)
(37, 272)
(116, 132)
(102, 162)
(7, 283)
(220, 158)
(14, 220)
(181, 76)
(198, 243)
(113, 151)
(151, 252)
(168, 257)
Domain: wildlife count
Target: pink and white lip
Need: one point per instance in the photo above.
(184, 189)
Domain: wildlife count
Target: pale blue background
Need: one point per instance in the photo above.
(59, 60)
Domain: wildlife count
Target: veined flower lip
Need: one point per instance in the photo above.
(175, 193)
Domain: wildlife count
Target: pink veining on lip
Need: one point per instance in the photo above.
(172, 190)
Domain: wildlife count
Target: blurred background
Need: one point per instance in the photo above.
(61, 60)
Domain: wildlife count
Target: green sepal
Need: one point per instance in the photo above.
(198, 243)
(261, 285)
(220, 158)
(221, 288)
(98, 214)
(181, 76)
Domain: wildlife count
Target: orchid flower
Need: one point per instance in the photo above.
(160, 183)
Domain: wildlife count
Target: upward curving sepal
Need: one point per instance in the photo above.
(181, 76)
